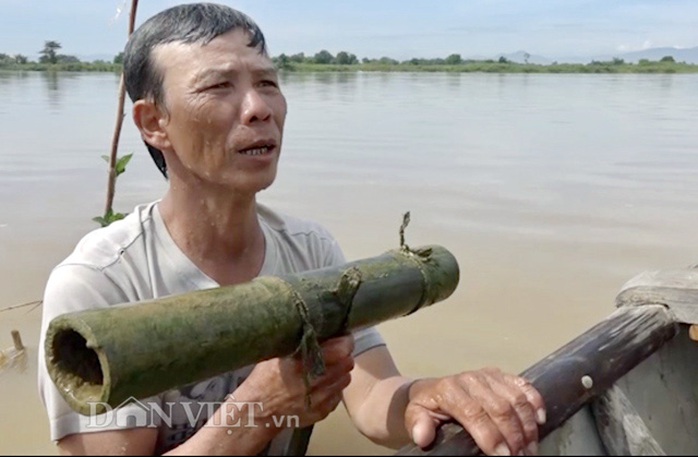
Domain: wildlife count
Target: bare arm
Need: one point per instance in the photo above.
(377, 397)
(141, 441)
(137, 441)
(501, 411)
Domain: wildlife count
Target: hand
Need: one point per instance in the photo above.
(500, 411)
(278, 384)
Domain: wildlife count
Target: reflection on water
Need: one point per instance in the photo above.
(7, 77)
(51, 78)
(54, 95)
(550, 190)
(58, 84)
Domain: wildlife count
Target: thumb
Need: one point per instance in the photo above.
(421, 426)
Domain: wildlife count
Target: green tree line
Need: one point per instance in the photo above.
(323, 60)
(344, 61)
(52, 60)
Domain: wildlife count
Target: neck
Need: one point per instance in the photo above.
(218, 231)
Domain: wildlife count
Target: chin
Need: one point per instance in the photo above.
(267, 184)
(255, 184)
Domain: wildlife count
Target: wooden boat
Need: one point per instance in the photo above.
(627, 386)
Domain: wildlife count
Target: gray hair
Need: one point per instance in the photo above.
(188, 23)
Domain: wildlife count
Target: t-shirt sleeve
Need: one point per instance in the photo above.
(76, 288)
(366, 338)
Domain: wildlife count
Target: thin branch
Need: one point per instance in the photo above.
(35, 303)
(111, 183)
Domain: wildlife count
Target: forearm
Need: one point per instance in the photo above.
(234, 429)
(381, 416)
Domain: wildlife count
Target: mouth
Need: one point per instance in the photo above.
(260, 148)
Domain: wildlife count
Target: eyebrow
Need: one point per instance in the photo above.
(260, 71)
(267, 71)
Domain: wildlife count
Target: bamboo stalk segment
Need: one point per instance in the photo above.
(17, 340)
(144, 348)
(15, 356)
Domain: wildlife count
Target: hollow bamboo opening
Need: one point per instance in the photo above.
(78, 366)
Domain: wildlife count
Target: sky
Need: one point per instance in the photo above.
(400, 29)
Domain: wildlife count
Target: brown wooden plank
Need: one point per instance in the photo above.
(622, 430)
(675, 289)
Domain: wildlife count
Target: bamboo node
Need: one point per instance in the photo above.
(309, 348)
(346, 289)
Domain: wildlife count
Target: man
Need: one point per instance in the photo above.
(209, 107)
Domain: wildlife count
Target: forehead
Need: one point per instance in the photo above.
(229, 51)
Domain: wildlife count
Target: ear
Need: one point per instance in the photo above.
(147, 117)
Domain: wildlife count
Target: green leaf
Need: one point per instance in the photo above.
(108, 218)
(115, 217)
(121, 163)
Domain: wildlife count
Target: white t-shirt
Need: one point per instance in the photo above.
(136, 259)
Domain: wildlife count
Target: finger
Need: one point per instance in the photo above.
(333, 389)
(337, 348)
(333, 348)
(508, 387)
(324, 400)
(420, 425)
(333, 373)
(501, 411)
(334, 351)
(458, 400)
(534, 397)
(293, 363)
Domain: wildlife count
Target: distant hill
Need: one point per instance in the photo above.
(688, 55)
(521, 57)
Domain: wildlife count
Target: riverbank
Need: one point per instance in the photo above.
(414, 65)
(499, 67)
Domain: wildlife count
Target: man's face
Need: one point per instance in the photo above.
(225, 111)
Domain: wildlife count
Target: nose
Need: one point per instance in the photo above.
(255, 107)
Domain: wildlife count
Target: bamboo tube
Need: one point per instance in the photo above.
(17, 340)
(144, 348)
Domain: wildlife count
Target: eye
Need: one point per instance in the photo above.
(268, 83)
(220, 85)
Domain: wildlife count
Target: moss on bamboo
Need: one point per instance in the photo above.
(144, 348)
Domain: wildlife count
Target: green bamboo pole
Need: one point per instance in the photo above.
(144, 348)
